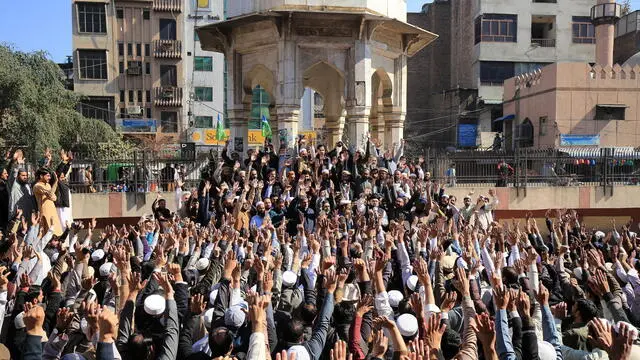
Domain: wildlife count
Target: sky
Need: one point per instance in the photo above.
(46, 24)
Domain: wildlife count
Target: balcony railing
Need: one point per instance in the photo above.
(167, 5)
(169, 96)
(170, 49)
(544, 42)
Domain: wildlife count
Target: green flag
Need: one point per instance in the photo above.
(266, 128)
(220, 130)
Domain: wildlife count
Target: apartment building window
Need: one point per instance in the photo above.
(494, 73)
(148, 93)
(130, 96)
(139, 96)
(96, 109)
(93, 64)
(202, 4)
(145, 14)
(496, 28)
(169, 121)
(204, 94)
(121, 67)
(92, 18)
(147, 50)
(168, 75)
(149, 113)
(203, 122)
(120, 49)
(123, 113)
(122, 96)
(195, 36)
(167, 29)
(120, 13)
(147, 68)
(138, 49)
(583, 30)
(130, 49)
(203, 63)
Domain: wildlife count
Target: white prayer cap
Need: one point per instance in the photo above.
(260, 203)
(97, 255)
(300, 351)
(208, 317)
(202, 264)
(546, 351)
(407, 324)
(345, 202)
(325, 171)
(289, 278)
(351, 293)
(106, 269)
(412, 282)
(18, 322)
(599, 235)
(461, 263)
(154, 304)
(395, 297)
(578, 272)
(608, 266)
(234, 316)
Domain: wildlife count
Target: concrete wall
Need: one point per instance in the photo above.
(589, 199)
(567, 93)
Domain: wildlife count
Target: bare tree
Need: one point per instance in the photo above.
(626, 7)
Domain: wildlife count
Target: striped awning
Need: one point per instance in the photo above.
(593, 152)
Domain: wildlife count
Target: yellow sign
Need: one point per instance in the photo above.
(208, 136)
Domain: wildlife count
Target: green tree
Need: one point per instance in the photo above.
(37, 111)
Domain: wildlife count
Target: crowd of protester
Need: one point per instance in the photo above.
(317, 254)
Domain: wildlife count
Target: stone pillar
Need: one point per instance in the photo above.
(333, 128)
(357, 126)
(288, 118)
(239, 136)
(393, 126)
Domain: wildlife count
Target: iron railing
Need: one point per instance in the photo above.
(544, 42)
(531, 168)
(167, 5)
(168, 96)
(168, 49)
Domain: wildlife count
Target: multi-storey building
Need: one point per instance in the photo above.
(128, 61)
(491, 41)
(204, 71)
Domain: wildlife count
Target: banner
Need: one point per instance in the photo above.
(208, 137)
(579, 140)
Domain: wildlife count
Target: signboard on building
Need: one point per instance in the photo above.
(579, 140)
(208, 137)
(136, 125)
(467, 135)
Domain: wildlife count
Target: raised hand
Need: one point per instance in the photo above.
(524, 304)
(108, 324)
(330, 281)
(434, 331)
(380, 344)
(485, 329)
(364, 305)
(449, 301)
(600, 334)
(622, 342)
(63, 319)
(543, 295)
(339, 351)
(198, 304)
(501, 296)
(163, 281)
(34, 320)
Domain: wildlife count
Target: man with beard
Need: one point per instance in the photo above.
(374, 204)
(4, 199)
(301, 213)
(258, 218)
(21, 196)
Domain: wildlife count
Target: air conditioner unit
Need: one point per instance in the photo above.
(134, 110)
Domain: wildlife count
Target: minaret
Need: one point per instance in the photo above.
(604, 16)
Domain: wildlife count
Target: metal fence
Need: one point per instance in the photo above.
(531, 168)
(138, 171)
